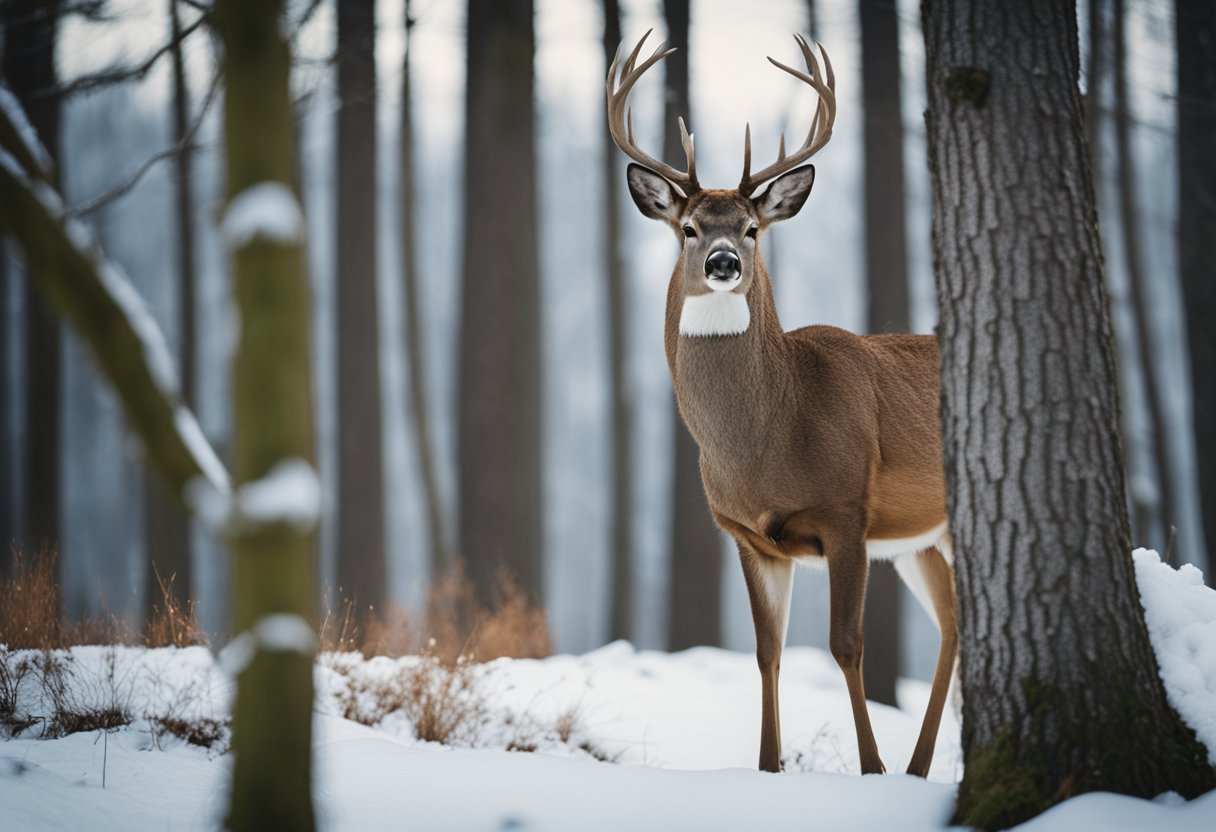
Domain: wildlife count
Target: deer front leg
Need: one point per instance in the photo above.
(769, 583)
(847, 574)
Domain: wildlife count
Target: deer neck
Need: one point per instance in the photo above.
(718, 376)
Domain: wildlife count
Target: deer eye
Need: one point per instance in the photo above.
(752, 232)
(690, 232)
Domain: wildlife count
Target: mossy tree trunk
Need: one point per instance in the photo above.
(1061, 688)
(886, 251)
(362, 571)
(695, 589)
(273, 565)
(500, 355)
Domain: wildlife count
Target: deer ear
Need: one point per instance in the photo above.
(786, 195)
(655, 196)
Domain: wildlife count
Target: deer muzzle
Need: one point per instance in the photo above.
(722, 265)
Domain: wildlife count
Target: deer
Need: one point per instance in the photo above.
(817, 446)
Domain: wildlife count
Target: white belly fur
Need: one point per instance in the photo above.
(894, 547)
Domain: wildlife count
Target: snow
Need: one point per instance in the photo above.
(25, 131)
(204, 455)
(680, 729)
(268, 210)
(290, 493)
(1181, 616)
(275, 633)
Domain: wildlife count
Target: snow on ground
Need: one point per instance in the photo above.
(680, 729)
(1181, 615)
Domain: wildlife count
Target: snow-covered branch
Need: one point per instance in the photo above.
(93, 294)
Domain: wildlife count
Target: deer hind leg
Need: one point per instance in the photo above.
(769, 584)
(929, 575)
(847, 574)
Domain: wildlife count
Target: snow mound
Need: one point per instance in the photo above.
(1181, 615)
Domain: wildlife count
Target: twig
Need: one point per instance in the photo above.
(187, 141)
(119, 74)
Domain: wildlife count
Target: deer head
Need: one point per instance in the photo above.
(719, 229)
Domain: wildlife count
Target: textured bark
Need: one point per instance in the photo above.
(1157, 535)
(886, 250)
(500, 472)
(272, 568)
(166, 530)
(424, 442)
(362, 573)
(1196, 32)
(621, 515)
(1061, 689)
(696, 548)
(29, 68)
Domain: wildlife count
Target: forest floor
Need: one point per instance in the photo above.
(125, 738)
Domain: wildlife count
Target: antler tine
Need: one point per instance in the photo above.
(689, 150)
(781, 147)
(821, 123)
(747, 151)
(620, 119)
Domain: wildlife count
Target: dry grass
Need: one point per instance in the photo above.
(455, 627)
(205, 732)
(443, 703)
(30, 617)
(174, 623)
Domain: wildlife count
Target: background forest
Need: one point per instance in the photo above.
(445, 398)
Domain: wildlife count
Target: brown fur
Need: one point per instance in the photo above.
(812, 442)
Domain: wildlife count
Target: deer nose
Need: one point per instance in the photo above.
(722, 265)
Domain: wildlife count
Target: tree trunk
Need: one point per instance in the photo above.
(696, 546)
(273, 566)
(1061, 689)
(362, 572)
(1163, 470)
(166, 530)
(621, 514)
(7, 446)
(887, 283)
(500, 393)
(1196, 31)
(1098, 68)
(29, 68)
(441, 555)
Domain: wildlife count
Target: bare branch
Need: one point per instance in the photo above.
(185, 143)
(119, 74)
(90, 292)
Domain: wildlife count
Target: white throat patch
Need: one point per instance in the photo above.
(715, 313)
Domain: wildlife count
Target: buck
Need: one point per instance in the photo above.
(817, 446)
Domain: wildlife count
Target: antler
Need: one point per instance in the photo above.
(821, 125)
(620, 120)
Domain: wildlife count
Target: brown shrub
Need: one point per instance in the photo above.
(30, 618)
(205, 732)
(174, 623)
(454, 625)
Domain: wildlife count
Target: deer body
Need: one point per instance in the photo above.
(816, 445)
